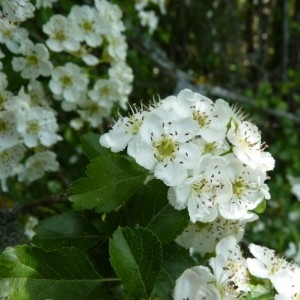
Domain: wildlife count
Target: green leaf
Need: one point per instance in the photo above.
(66, 230)
(154, 212)
(91, 146)
(261, 207)
(112, 179)
(28, 273)
(176, 261)
(136, 256)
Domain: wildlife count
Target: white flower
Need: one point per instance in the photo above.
(194, 283)
(9, 135)
(69, 81)
(230, 267)
(122, 75)
(62, 34)
(44, 3)
(36, 166)
(17, 10)
(284, 276)
(210, 116)
(248, 189)
(122, 132)
(87, 24)
(204, 189)
(228, 279)
(164, 147)
(110, 15)
(117, 47)
(35, 61)
(246, 140)
(104, 91)
(5, 96)
(93, 112)
(148, 19)
(12, 37)
(38, 125)
(265, 264)
(9, 159)
(203, 237)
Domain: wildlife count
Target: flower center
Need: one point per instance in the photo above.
(33, 127)
(201, 186)
(134, 124)
(3, 126)
(239, 187)
(201, 118)
(66, 81)
(165, 148)
(210, 147)
(87, 25)
(59, 35)
(32, 60)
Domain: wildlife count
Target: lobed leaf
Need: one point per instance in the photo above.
(112, 179)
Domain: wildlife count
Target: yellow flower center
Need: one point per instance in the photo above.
(165, 148)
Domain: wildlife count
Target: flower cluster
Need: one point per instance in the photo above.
(59, 69)
(212, 159)
(228, 275)
(26, 122)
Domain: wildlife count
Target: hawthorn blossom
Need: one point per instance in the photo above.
(284, 276)
(36, 166)
(86, 24)
(44, 3)
(17, 10)
(194, 283)
(62, 34)
(92, 111)
(13, 37)
(148, 19)
(121, 74)
(248, 189)
(9, 158)
(210, 116)
(246, 140)
(104, 90)
(227, 278)
(110, 15)
(204, 189)
(203, 237)
(122, 132)
(38, 126)
(9, 135)
(35, 61)
(164, 146)
(69, 81)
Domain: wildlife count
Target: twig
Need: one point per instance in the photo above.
(185, 80)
